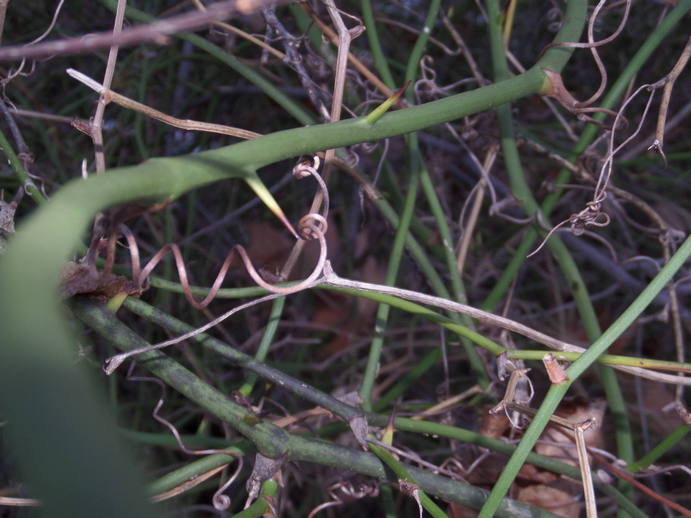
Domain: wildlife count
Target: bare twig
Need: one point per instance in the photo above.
(671, 78)
(230, 28)
(467, 227)
(344, 39)
(155, 32)
(332, 279)
(3, 11)
(96, 128)
(357, 64)
(186, 124)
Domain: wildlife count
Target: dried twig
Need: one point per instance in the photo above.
(671, 78)
(332, 279)
(467, 227)
(185, 124)
(155, 32)
(592, 45)
(230, 28)
(357, 64)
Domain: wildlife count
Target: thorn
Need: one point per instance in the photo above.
(380, 110)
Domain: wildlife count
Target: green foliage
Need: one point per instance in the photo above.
(64, 437)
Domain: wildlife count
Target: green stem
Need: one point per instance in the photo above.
(269, 439)
(382, 315)
(38, 360)
(607, 359)
(265, 343)
(26, 182)
(347, 412)
(665, 445)
(245, 361)
(372, 33)
(522, 192)
(557, 392)
(618, 88)
(261, 505)
(402, 474)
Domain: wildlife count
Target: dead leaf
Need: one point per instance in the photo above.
(78, 278)
(494, 425)
(575, 411)
(550, 499)
(7, 216)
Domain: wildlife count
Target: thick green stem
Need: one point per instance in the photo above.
(323, 400)
(270, 440)
(37, 360)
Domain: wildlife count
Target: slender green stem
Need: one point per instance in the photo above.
(270, 440)
(26, 182)
(618, 88)
(194, 469)
(382, 315)
(557, 392)
(607, 359)
(403, 475)
(265, 343)
(372, 33)
(261, 505)
(658, 451)
(522, 192)
(255, 366)
(38, 359)
(347, 412)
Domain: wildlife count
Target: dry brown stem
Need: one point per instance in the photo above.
(155, 32)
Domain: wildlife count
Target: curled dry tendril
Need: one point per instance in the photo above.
(312, 226)
(220, 500)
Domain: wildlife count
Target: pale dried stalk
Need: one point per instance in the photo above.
(155, 32)
(112, 363)
(96, 128)
(315, 231)
(510, 401)
(357, 64)
(330, 278)
(467, 229)
(230, 28)
(584, 466)
(671, 78)
(187, 485)
(185, 124)
(344, 39)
